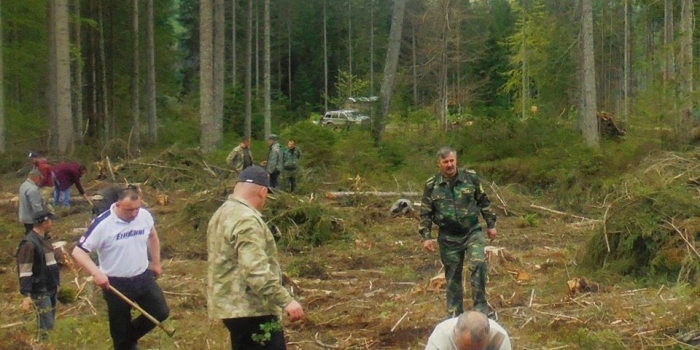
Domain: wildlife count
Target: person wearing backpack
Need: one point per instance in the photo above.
(290, 164)
(38, 272)
(453, 200)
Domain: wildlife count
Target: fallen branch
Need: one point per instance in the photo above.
(11, 325)
(339, 195)
(399, 321)
(561, 213)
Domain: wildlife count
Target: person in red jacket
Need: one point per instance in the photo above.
(65, 176)
(44, 168)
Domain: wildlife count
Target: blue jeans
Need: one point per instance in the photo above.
(57, 196)
(45, 304)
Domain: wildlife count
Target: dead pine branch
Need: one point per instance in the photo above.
(690, 245)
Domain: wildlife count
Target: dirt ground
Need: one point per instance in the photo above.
(372, 290)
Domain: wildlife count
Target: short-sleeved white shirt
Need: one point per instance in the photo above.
(122, 247)
(441, 338)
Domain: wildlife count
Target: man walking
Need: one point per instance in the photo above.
(453, 199)
(30, 201)
(244, 288)
(273, 165)
(240, 157)
(290, 161)
(124, 238)
(38, 272)
(65, 176)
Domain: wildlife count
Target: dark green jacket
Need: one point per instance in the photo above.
(454, 211)
(290, 159)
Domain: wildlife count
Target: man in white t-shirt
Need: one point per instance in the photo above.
(124, 238)
(469, 331)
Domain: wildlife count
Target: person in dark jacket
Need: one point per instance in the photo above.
(65, 176)
(38, 272)
(290, 164)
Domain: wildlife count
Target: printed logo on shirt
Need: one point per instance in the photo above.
(82, 239)
(131, 233)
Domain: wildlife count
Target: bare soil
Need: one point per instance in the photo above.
(371, 291)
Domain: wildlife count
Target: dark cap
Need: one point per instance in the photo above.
(255, 175)
(44, 215)
(272, 137)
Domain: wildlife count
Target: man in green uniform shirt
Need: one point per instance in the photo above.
(453, 199)
(244, 287)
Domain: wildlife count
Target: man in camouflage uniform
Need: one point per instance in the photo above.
(240, 157)
(244, 287)
(453, 199)
(273, 165)
(290, 164)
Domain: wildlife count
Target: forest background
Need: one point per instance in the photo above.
(515, 86)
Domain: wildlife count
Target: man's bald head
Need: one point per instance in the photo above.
(471, 331)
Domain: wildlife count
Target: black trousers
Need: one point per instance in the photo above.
(275, 179)
(243, 328)
(144, 291)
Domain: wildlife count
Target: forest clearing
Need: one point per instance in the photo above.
(373, 286)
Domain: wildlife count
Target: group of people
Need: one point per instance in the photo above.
(244, 287)
(279, 163)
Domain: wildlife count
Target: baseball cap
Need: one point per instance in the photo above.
(44, 215)
(256, 175)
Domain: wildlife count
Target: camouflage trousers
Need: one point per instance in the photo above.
(453, 250)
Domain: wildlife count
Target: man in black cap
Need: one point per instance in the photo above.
(273, 165)
(38, 272)
(244, 288)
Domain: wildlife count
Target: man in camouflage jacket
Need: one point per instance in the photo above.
(273, 165)
(244, 287)
(453, 199)
(240, 156)
(290, 164)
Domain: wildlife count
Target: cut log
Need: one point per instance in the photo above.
(339, 195)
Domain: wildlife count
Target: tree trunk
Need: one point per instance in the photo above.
(325, 58)
(234, 48)
(590, 129)
(289, 57)
(248, 69)
(414, 66)
(686, 71)
(626, 79)
(2, 92)
(266, 68)
(63, 86)
(151, 76)
(219, 68)
(668, 41)
(257, 52)
(371, 50)
(51, 84)
(106, 117)
(390, 66)
(135, 94)
(349, 93)
(78, 75)
(206, 76)
(525, 91)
